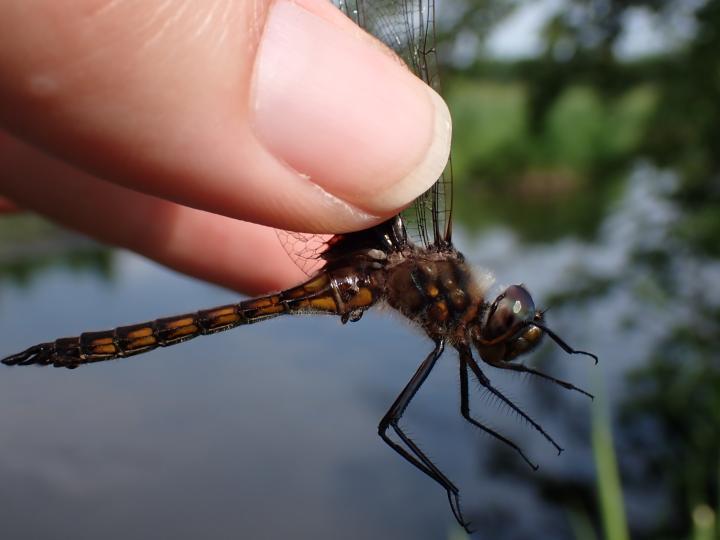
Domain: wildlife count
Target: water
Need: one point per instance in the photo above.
(269, 431)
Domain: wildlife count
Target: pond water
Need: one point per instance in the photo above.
(269, 431)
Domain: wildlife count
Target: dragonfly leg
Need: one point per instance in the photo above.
(410, 451)
(525, 369)
(465, 411)
(466, 356)
(564, 346)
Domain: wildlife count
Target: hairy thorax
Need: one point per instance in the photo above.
(437, 290)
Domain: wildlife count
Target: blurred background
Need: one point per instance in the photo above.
(587, 166)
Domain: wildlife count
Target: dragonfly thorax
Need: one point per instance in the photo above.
(437, 291)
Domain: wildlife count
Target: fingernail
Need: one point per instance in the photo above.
(335, 106)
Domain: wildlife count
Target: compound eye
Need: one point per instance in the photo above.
(512, 310)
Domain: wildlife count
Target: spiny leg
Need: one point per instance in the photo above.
(453, 493)
(525, 369)
(466, 356)
(465, 411)
(412, 453)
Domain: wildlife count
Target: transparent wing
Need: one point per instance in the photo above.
(408, 28)
(305, 249)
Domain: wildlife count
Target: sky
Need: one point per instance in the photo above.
(519, 35)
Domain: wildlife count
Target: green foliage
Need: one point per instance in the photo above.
(563, 177)
(493, 141)
(488, 127)
(610, 491)
(543, 146)
(576, 117)
(30, 245)
(609, 486)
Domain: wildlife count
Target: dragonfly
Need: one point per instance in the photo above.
(407, 262)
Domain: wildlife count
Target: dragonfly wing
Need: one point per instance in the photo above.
(305, 249)
(408, 28)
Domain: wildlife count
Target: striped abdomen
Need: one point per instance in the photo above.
(322, 294)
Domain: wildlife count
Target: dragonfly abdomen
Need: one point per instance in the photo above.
(322, 294)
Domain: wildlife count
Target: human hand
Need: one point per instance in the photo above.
(185, 130)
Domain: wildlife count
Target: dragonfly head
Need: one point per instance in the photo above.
(511, 327)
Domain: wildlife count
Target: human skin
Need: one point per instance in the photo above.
(186, 131)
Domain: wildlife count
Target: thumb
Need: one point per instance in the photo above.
(282, 113)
